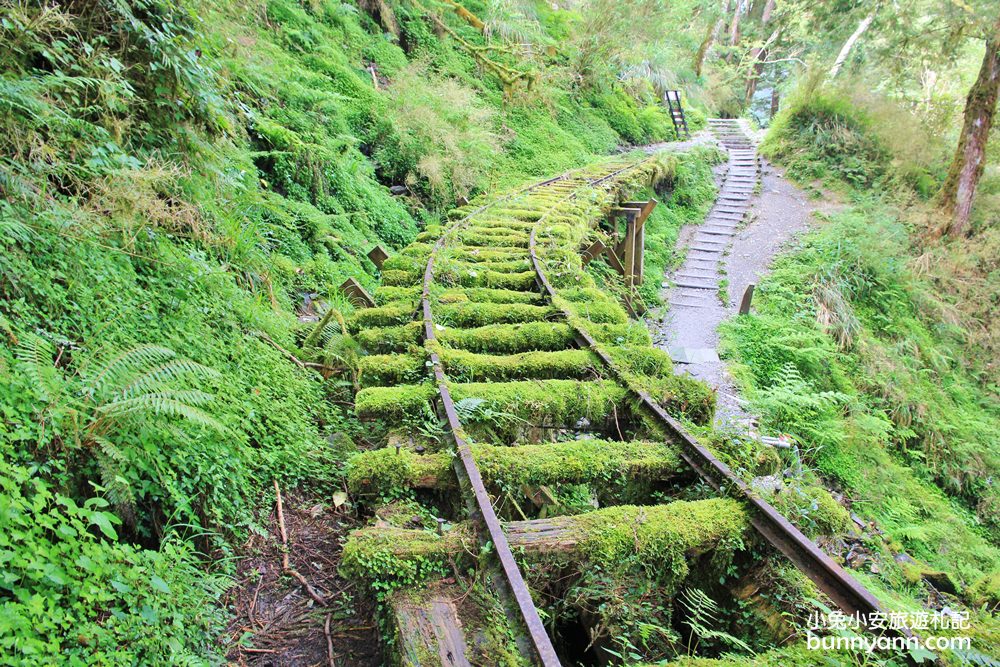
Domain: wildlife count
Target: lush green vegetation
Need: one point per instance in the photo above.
(872, 365)
(186, 184)
(180, 181)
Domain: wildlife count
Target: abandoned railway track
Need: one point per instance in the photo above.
(491, 323)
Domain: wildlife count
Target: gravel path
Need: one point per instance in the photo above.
(771, 217)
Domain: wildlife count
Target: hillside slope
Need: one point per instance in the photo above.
(182, 183)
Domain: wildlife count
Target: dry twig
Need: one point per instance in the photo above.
(285, 564)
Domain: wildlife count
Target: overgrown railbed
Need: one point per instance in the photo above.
(557, 442)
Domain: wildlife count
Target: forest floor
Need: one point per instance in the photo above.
(778, 214)
(276, 622)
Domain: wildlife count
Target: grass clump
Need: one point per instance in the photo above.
(822, 134)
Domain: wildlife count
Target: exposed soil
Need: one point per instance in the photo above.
(276, 622)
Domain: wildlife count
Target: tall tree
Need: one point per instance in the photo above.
(959, 188)
(845, 51)
(713, 34)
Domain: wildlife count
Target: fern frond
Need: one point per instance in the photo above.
(35, 355)
(156, 377)
(171, 403)
(111, 461)
(120, 368)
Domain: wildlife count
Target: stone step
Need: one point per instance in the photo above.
(691, 284)
(689, 304)
(696, 274)
(710, 247)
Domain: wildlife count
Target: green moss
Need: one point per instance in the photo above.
(390, 339)
(389, 473)
(389, 369)
(523, 280)
(394, 403)
(388, 558)
(389, 315)
(386, 294)
(611, 464)
(657, 541)
(549, 402)
(511, 240)
(564, 364)
(592, 304)
(510, 338)
(487, 295)
(473, 314)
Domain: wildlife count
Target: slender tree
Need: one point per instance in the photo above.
(714, 29)
(959, 189)
(845, 50)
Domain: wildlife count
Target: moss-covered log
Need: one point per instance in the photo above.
(389, 369)
(383, 340)
(467, 366)
(384, 472)
(658, 540)
(470, 314)
(488, 295)
(514, 338)
(387, 557)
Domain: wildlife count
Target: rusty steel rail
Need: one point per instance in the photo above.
(831, 578)
(466, 466)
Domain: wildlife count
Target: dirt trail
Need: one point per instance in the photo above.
(743, 240)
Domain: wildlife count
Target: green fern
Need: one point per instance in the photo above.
(119, 393)
(703, 612)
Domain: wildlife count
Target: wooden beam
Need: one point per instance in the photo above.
(747, 299)
(378, 255)
(357, 294)
(594, 250)
(614, 259)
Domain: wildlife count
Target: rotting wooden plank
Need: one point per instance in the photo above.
(429, 628)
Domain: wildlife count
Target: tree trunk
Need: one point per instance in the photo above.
(758, 54)
(710, 37)
(734, 25)
(775, 100)
(959, 188)
(849, 44)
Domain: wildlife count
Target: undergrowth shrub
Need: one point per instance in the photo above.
(884, 402)
(822, 134)
(443, 142)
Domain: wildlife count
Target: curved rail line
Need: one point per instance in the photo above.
(465, 463)
(832, 579)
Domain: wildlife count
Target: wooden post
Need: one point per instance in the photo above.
(594, 250)
(747, 298)
(378, 255)
(357, 294)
